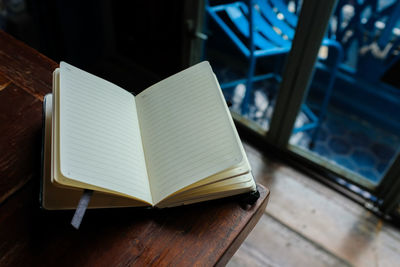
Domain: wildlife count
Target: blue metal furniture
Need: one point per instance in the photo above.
(267, 29)
(369, 32)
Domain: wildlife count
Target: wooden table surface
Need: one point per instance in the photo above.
(203, 234)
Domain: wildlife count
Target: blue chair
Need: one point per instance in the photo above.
(366, 85)
(267, 29)
(373, 35)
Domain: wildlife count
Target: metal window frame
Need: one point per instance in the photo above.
(298, 72)
(388, 190)
(299, 68)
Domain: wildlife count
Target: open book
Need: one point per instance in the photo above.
(173, 144)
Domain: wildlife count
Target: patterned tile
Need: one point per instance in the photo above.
(382, 151)
(356, 145)
(343, 139)
(357, 138)
(363, 158)
(339, 145)
(344, 162)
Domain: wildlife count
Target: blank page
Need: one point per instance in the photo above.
(100, 141)
(187, 130)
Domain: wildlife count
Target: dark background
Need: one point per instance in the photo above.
(131, 43)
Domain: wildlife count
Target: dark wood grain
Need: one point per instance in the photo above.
(244, 232)
(204, 234)
(201, 234)
(20, 139)
(25, 77)
(325, 219)
(25, 67)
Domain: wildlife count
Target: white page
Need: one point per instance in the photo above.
(187, 130)
(100, 140)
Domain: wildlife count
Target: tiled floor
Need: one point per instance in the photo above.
(354, 144)
(343, 139)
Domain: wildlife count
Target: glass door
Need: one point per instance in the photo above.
(355, 99)
(248, 43)
(323, 92)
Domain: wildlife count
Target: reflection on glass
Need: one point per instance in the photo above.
(360, 133)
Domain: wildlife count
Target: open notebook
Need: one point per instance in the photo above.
(173, 144)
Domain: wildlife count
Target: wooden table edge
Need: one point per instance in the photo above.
(245, 231)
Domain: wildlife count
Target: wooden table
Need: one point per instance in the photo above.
(202, 234)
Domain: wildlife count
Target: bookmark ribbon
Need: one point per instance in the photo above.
(81, 208)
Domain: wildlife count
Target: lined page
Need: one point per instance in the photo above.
(100, 141)
(186, 130)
